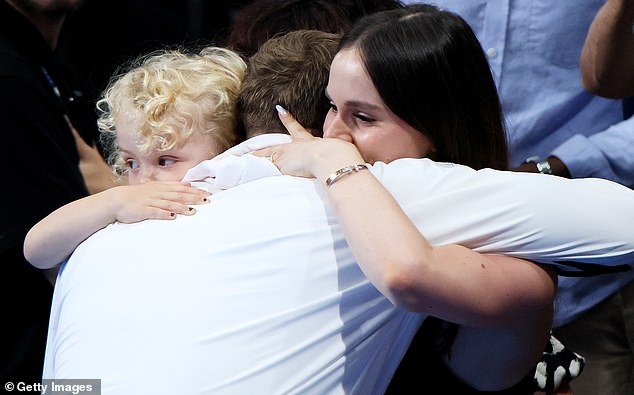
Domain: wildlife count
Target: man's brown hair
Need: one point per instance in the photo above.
(292, 71)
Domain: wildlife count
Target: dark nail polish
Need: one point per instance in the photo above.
(191, 208)
(172, 214)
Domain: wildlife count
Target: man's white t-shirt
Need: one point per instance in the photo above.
(254, 294)
(258, 291)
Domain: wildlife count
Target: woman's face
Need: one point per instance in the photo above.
(358, 115)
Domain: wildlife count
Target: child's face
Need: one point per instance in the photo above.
(168, 165)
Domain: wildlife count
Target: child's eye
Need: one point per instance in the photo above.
(131, 164)
(166, 161)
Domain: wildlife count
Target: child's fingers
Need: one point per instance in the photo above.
(167, 210)
(178, 192)
(185, 197)
(160, 212)
(178, 208)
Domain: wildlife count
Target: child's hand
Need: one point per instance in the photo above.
(156, 200)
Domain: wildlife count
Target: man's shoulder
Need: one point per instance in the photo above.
(268, 191)
(425, 175)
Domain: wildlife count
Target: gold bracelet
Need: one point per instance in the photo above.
(344, 171)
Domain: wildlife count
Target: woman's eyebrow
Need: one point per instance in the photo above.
(355, 103)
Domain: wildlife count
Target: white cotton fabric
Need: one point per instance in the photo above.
(233, 167)
(258, 293)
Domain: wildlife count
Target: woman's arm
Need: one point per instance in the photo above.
(607, 59)
(450, 282)
(497, 357)
(502, 304)
(55, 237)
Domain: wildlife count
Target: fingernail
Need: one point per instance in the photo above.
(205, 199)
(281, 110)
(191, 208)
(172, 214)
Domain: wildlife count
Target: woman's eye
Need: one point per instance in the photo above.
(131, 164)
(332, 106)
(166, 161)
(364, 118)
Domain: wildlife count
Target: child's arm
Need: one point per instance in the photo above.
(55, 237)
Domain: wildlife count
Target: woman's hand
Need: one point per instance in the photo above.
(309, 156)
(155, 200)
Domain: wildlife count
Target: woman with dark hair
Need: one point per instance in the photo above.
(431, 72)
(414, 83)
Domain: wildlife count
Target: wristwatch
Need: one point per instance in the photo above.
(543, 166)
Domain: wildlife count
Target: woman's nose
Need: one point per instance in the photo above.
(334, 127)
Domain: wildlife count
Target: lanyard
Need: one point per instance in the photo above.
(58, 93)
(51, 82)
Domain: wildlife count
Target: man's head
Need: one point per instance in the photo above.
(290, 70)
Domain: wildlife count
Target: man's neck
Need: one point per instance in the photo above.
(49, 24)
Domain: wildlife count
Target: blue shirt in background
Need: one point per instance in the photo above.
(533, 48)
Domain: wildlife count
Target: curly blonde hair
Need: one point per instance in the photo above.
(174, 94)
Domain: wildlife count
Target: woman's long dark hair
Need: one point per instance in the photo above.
(430, 70)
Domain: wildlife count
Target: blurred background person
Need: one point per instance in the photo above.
(555, 127)
(261, 20)
(142, 26)
(605, 333)
(607, 58)
(49, 129)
